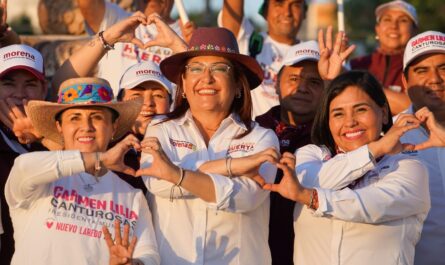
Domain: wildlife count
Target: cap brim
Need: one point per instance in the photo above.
(43, 113)
(33, 71)
(134, 84)
(306, 58)
(405, 65)
(171, 66)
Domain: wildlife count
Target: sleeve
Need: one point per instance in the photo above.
(401, 193)
(315, 169)
(242, 194)
(245, 31)
(32, 174)
(146, 248)
(156, 186)
(113, 14)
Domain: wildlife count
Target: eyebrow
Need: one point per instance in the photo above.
(355, 106)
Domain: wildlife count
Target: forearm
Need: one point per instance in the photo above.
(93, 12)
(197, 183)
(9, 37)
(232, 15)
(398, 101)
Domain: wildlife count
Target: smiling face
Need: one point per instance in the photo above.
(209, 84)
(355, 119)
(426, 82)
(18, 85)
(284, 18)
(300, 90)
(88, 129)
(394, 29)
(156, 101)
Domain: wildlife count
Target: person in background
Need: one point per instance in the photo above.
(144, 80)
(299, 88)
(396, 23)
(284, 18)
(424, 78)
(22, 79)
(7, 35)
(101, 14)
(61, 207)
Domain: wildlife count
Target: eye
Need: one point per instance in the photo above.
(362, 109)
(220, 68)
(315, 82)
(159, 96)
(337, 114)
(195, 68)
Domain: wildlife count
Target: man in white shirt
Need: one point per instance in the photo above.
(101, 14)
(284, 18)
(424, 78)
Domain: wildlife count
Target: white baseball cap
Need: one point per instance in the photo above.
(423, 43)
(400, 5)
(142, 72)
(19, 56)
(301, 52)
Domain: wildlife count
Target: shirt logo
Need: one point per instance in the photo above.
(182, 144)
(242, 147)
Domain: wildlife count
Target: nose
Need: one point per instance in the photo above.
(350, 120)
(149, 101)
(435, 77)
(207, 76)
(87, 125)
(19, 92)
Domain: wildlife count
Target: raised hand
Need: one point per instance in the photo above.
(121, 249)
(123, 31)
(390, 142)
(16, 119)
(113, 158)
(161, 167)
(332, 56)
(187, 30)
(3, 15)
(166, 37)
(289, 186)
(436, 131)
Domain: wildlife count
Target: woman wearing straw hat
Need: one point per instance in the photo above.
(60, 205)
(209, 218)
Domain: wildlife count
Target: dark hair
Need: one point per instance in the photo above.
(241, 106)
(321, 134)
(265, 8)
(114, 114)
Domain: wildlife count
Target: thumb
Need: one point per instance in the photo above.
(128, 170)
(138, 43)
(151, 43)
(422, 146)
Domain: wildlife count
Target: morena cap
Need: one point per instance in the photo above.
(403, 6)
(142, 72)
(307, 50)
(423, 43)
(24, 57)
(213, 42)
(78, 93)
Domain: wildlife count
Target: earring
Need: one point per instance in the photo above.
(377, 38)
(238, 95)
(183, 95)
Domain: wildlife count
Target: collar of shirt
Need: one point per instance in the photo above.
(232, 118)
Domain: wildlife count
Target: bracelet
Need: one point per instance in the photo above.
(97, 166)
(313, 200)
(229, 166)
(105, 44)
(177, 185)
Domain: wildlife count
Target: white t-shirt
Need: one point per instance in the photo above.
(124, 55)
(234, 229)
(58, 211)
(431, 246)
(264, 97)
(368, 213)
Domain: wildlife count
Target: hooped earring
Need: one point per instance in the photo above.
(183, 95)
(238, 94)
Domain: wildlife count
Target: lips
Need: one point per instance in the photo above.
(206, 92)
(86, 139)
(147, 113)
(354, 134)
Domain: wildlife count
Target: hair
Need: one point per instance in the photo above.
(114, 114)
(241, 106)
(321, 133)
(266, 7)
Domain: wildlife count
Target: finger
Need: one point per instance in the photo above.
(271, 187)
(290, 162)
(117, 232)
(422, 146)
(407, 147)
(338, 42)
(107, 236)
(125, 242)
(347, 52)
(132, 245)
(129, 171)
(287, 171)
(329, 38)
(258, 179)
(15, 109)
(321, 44)
(138, 43)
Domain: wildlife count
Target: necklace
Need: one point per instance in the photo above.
(88, 187)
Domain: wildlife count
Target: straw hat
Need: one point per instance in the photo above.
(78, 93)
(213, 42)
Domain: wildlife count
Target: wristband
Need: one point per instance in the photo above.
(105, 44)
